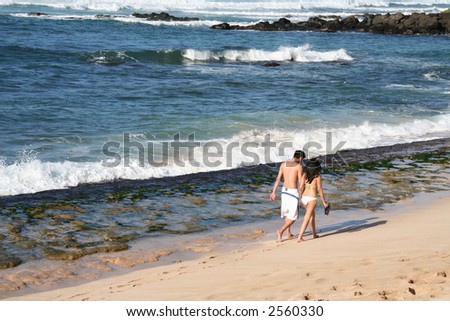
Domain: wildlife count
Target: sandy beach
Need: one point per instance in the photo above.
(405, 257)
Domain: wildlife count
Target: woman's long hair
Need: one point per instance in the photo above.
(312, 169)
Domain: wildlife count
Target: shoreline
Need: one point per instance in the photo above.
(76, 240)
(341, 158)
(407, 261)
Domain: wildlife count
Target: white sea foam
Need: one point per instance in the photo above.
(402, 86)
(299, 54)
(199, 23)
(121, 18)
(253, 8)
(113, 5)
(30, 175)
(432, 76)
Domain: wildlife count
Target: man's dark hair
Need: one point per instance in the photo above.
(299, 153)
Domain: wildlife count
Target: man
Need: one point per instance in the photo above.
(291, 171)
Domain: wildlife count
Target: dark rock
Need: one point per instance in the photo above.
(423, 24)
(263, 26)
(315, 23)
(331, 26)
(271, 64)
(349, 23)
(7, 262)
(222, 26)
(429, 24)
(384, 24)
(103, 16)
(412, 291)
(283, 24)
(163, 16)
(37, 14)
(417, 23)
(284, 21)
(444, 21)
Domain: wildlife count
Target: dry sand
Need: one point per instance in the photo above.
(406, 257)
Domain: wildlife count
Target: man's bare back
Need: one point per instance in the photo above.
(292, 172)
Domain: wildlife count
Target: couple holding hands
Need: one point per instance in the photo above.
(301, 184)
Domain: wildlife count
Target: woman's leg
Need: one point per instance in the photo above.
(308, 215)
(312, 220)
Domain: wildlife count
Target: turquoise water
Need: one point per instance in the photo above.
(72, 81)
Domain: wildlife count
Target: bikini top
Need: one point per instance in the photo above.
(310, 186)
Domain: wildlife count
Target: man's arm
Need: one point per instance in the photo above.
(277, 182)
(302, 178)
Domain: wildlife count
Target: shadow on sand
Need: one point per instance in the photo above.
(348, 227)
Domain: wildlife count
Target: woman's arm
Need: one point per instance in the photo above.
(320, 190)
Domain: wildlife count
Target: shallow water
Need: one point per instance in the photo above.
(109, 220)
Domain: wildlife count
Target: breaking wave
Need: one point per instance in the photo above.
(31, 175)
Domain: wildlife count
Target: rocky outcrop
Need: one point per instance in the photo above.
(37, 14)
(416, 23)
(271, 64)
(163, 16)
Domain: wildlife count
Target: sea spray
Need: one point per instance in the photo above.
(298, 54)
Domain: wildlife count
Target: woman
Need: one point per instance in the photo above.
(311, 185)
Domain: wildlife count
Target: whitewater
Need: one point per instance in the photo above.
(268, 9)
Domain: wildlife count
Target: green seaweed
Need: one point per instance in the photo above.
(7, 262)
(433, 158)
(156, 227)
(71, 255)
(71, 228)
(117, 197)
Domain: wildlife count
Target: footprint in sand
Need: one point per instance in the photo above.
(77, 295)
(357, 284)
(307, 297)
(383, 295)
(321, 280)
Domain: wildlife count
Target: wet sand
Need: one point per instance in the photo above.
(404, 256)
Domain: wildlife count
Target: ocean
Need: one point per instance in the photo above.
(72, 81)
(91, 95)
